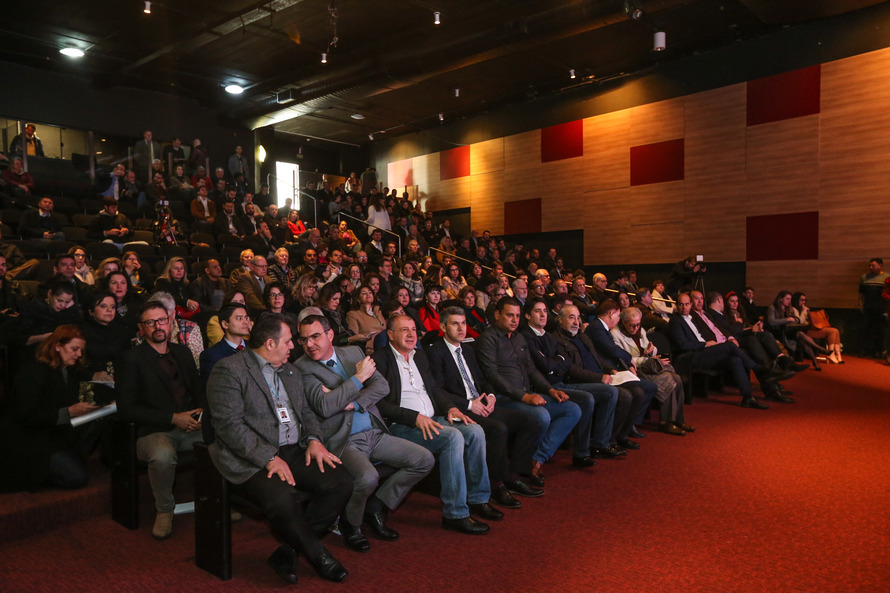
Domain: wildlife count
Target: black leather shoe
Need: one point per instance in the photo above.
(376, 522)
(587, 461)
(465, 525)
(486, 511)
(284, 561)
(629, 444)
(608, 452)
(327, 567)
(752, 402)
(775, 375)
(671, 428)
(778, 396)
(522, 489)
(686, 427)
(635, 434)
(501, 496)
(353, 537)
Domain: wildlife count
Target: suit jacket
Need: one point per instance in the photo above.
(390, 406)
(221, 224)
(703, 328)
(197, 209)
(723, 324)
(212, 355)
(545, 353)
(31, 225)
(336, 423)
(682, 338)
(245, 418)
(253, 295)
(606, 346)
(143, 391)
(578, 372)
(447, 374)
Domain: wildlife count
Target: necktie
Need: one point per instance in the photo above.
(332, 364)
(240, 347)
(465, 375)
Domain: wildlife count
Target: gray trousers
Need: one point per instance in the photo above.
(375, 446)
(159, 450)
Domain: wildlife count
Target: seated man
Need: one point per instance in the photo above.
(41, 224)
(109, 226)
(245, 257)
(506, 363)
(692, 351)
(651, 319)
(158, 388)
(343, 388)
(19, 267)
(420, 411)
(203, 208)
(19, 182)
(268, 440)
(599, 332)
(209, 289)
(456, 370)
(253, 283)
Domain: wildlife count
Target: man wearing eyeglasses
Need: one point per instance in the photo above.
(253, 283)
(158, 388)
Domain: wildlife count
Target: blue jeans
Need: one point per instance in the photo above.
(598, 429)
(462, 468)
(555, 419)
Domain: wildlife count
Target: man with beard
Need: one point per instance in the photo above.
(158, 388)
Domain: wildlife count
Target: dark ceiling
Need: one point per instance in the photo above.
(386, 59)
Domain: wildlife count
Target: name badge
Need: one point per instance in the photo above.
(283, 415)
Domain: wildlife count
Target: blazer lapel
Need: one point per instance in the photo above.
(255, 371)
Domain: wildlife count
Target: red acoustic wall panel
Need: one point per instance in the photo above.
(784, 96)
(563, 141)
(522, 216)
(783, 236)
(657, 163)
(454, 163)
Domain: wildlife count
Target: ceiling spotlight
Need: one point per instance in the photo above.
(660, 43)
(371, 136)
(324, 58)
(147, 9)
(572, 73)
(457, 92)
(632, 11)
(436, 19)
(234, 89)
(71, 52)
(357, 116)
(441, 117)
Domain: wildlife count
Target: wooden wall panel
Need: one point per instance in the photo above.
(716, 133)
(605, 228)
(656, 122)
(769, 277)
(838, 283)
(522, 158)
(486, 157)
(783, 166)
(487, 201)
(854, 227)
(715, 217)
(607, 151)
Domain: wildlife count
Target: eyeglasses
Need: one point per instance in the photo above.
(276, 295)
(313, 338)
(150, 323)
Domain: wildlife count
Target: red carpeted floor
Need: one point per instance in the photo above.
(790, 499)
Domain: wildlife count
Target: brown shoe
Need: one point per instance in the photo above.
(163, 527)
(538, 471)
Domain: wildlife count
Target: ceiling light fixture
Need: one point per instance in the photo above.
(572, 73)
(436, 19)
(234, 89)
(660, 41)
(71, 52)
(441, 117)
(631, 10)
(147, 9)
(357, 116)
(324, 58)
(261, 153)
(457, 92)
(371, 136)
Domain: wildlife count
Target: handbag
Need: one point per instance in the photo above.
(819, 319)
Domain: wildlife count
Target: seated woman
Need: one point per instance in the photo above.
(476, 322)
(81, 270)
(127, 300)
(429, 311)
(303, 293)
(214, 330)
(329, 299)
(105, 267)
(476, 274)
(140, 280)
(630, 336)
(348, 237)
(38, 445)
(274, 297)
(781, 320)
(294, 227)
(365, 318)
(453, 282)
(107, 338)
(828, 333)
(173, 281)
(42, 316)
(412, 280)
(403, 298)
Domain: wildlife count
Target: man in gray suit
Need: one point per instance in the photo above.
(268, 440)
(343, 388)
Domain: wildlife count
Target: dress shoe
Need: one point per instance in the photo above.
(284, 562)
(751, 402)
(353, 537)
(798, 367)
(686, 427)
(629, 444)
(538, 471)
(775, 375)
(377, 524)
(778, 396)
(608, 452)
(586, 461)
(235, 516)
(486, 511)
(501, 496)
(635, 434)
(163, 527)
(327, 567)
(671, 428)
(465, 525)
(522, 489)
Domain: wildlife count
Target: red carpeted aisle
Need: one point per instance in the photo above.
(790, 499)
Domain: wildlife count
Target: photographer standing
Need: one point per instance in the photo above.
(684, 274)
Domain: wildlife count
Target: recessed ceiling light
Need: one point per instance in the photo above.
(234, 89)
(147, 9)
(71, 52)
(357, 116)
